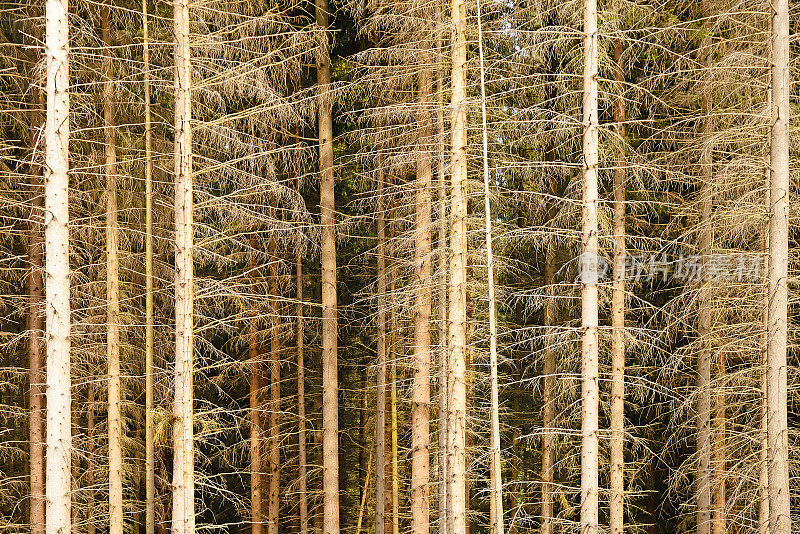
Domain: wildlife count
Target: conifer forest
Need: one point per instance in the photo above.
(399, 267)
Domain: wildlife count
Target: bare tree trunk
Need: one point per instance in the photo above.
(149, 422)
(442, 289)
(457, 366)
(36, 374)
(719, 471)
(301, 384)
(330, 402)
(395, 465)
(112, 285)
(57, 291)
(548, 395)
(616, 518)
(91, 449)
(496, 486)
(780, 520)
(421, 393)
(703, 478)
(183, 517)
(275, 396)
(763, 472)
(380, 410)
(590, 394)
(254, 357)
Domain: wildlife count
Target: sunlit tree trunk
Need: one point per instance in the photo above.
(112, 285)
(394, 429)
(616, 517)
(57, 284)
(457, 318)
(442, 234)
(548, 394)
(780, 520)
(380, 410)
(420, 402)
(330, 403)
(496, 483)
(183, 517)
(590, 394)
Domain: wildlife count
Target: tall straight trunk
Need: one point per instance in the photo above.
(57, 291)
(457, 313)
(763, 457)
(780, 521)
(254, 358)
(301, 383)
(720, 463)
(380, 410)
(275, 396)
(548, 395)
(457, 319)
(442, 235)
(183, 517)
(590, 393)
(395, 459)
(616, 516)
(703, 477)
(112, 285)
(91, 448)
(496, 483)
(149, 370)
(36, 375)
(421, 390)
(330, 402)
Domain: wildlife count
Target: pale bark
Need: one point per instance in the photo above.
(719, 473)
(590, 393)
(442, 235)
(496, 482)
(275, 396)
(149, 421)
(420, 401)
(616, 518)
(112, 285)
(780, 521)
(57, 283)
(380, 410)
(393, 426)
(183, 517)
(330, 402)
(457, 318)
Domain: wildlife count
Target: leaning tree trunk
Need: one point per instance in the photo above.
(421, 394)
(183, 517)
(457, 319)
(616, 516)
(112, 285)
(780, 520)
(590, 393)
(57, 291)
(149, 421)
(330, 403)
